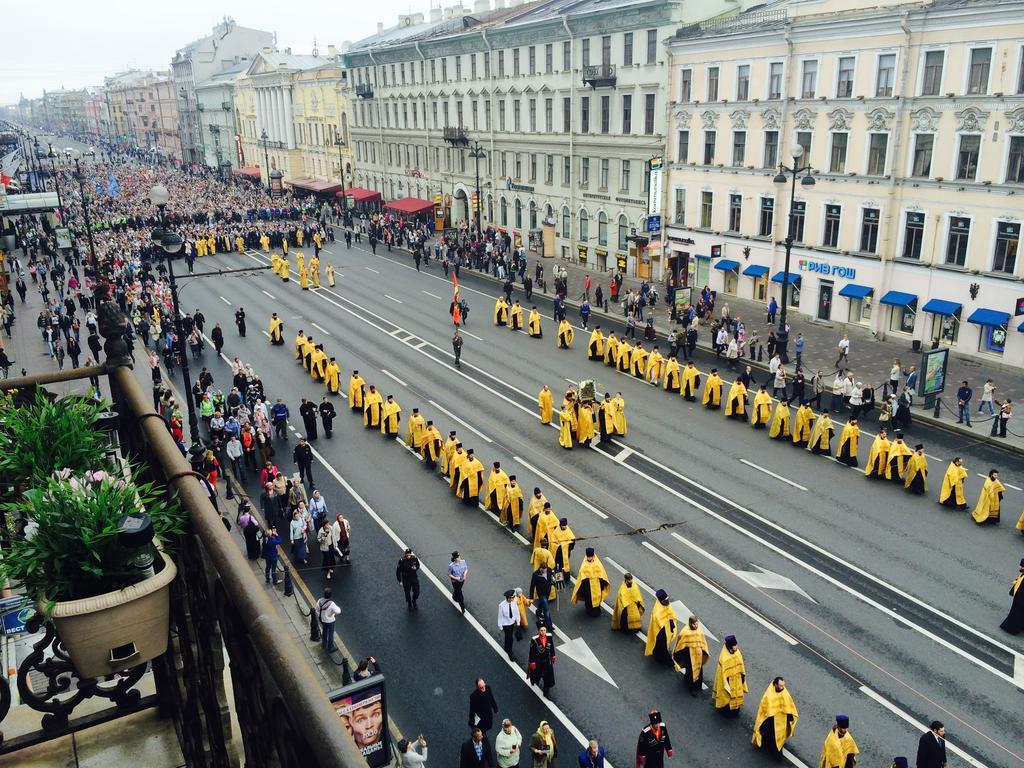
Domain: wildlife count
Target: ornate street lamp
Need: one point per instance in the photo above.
(477, 153)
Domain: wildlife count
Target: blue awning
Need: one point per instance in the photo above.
(899, 299)
(942, 307)
(854, 291)
(793, 277)
(755, 270)
(1021, 327)
(989, 317)
(727, 265)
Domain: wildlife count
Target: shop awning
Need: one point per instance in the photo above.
(899, 299)
(360, 195)
(314, 185)
(990, 317)
(1021, 327)
(854, 291)
(755, 270)
(248, 170)
(410, 206)
(727, 265)
(942, 307)
(793, 277)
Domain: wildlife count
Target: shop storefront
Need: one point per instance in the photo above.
(902, 311)
(730, 275)
(860, 299)
(945, 321)
(794, 287)
(759, 277)
(994, 326)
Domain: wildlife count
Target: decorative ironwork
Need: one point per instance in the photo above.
(599, 75)
(456, 135)
(364, 91)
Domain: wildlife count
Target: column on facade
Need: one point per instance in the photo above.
(261, 111)
(279, 95)
(289, 123)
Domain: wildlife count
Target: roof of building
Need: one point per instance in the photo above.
(226, 76)
(277, 59)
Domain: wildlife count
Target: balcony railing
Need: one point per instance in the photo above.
(455, 135)
(364, 91)
(599, 75)
(218, 607)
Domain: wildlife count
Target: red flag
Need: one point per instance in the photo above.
(456, 310)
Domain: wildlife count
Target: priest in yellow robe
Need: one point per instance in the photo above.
(655, 366)
(611, 350)
(542, 557)
(878, 457)
(762, 410)
(839, 749)
(990, 500)
(534, 508)
(415, 430)
(821, 435)
(300, 345)
(455, 462)
(546, 522)
(264, 243)
(330, 275)
(432, 447)
(585, 424)
(567, 427)
(846, 452)
(545, 403)
(303, 278)
(916, 478)
(565, 335)
(896, 459)
(512, 510)
(730, 679)
(776, 719)
(691, 382)
(673, 376)
(606, 418)
(661, 628)
(447, 453)
(318, 363)
(952, 493)
(690, 653)
(515, 316)
(470, 480)
(779, 429)
(736, 402)
(629, 606)
(356, 388)
(624, 354)
(391, 415)
(592, 584)
(373, 404)
(533, 324)
(276, 330)
(300, 261)
(803, 422)
(561, 542)
(500, 311)
(285, 267)
(620, 415)
(638, 361)
(307, 352)
(332, 376)
(497, 488)
(595, 347)
(314, 271)
(712, 399)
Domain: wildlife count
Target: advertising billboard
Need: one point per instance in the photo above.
(362, 707)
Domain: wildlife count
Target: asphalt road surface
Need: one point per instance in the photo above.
(869, 601)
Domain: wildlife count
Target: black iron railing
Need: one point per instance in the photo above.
(599, 74)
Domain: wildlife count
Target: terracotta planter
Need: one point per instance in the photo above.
(113, 632)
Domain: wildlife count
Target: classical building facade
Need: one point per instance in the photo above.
(911, 117)
(566, 99)
(320, 105)
(143, 112)
(215, 103)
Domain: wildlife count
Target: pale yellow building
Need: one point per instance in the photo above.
(320, 101)
(911, 117)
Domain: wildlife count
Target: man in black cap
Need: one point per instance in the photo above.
(931, 749)
(654, 743)
(1014, 621)
(408, 575)
(541, 663)
(303, 457)
(308, 413)
(839, 749)
(508, 620)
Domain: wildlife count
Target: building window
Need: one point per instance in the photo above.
(913, 235)
(809, 79)
(533, 115)
(458, 69)
(886, 75)
(967, 158)
(549, 170)
(649, 113)
(606, 113)
(549, 58)
(627, 49)
(775, 80)
(956, 242)
(584, 226)
(878, 149)
(739, 147)
(767, 218)
(977, 76)
(837, 163)
(565, 223)
(516, 116)
(685, 84)
(1007, 241)
(707, 199)
(566, 114)
(504, 163)
(627, 114)
(602, 181)
(623, 233)
(709, 147)
(533, 215)
(652, 46)
(606, 50)
(566, 170)
(932, 82)
(833, 215)
(518, 165)
(515, 62)
(584, 171)
(923, 143)
(1015, 161)
(683, 153)
(742, 82)
(549, 115)
(869, 231)
(712, 89)
(501, 114)
(624, 181)
(531, 57)
(602, 228)
(501, 63)
(504, 212)
(735, 212)
(585, 51)
(519, 214)
(533, 167)
(679, 211)
(844, 80)
(803, 138)
(566, 58)
(771, 149)
(796, 229)
(584, 114)
(472, 66)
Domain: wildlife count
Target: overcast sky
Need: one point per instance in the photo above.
(72, 43)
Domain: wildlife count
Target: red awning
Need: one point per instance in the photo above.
(410, 206)
(248, 170)
(314, 185)
(360, 195)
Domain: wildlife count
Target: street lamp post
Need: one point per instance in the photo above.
(477, 153)
(339, 142)
(171, 244)
(266, 155)
(50, 153)
(80, 178)
(215, 130)
(807, 181)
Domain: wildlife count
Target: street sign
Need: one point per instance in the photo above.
(654, 223)
(655, 185)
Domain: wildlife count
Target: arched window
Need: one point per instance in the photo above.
(490, 209)
(503, 204)
(533, 215)
(623, 232)
(549, 212)
(565, 222)
(519, 214)
(584, 225)
(602, 228)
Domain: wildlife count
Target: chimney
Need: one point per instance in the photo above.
(435, 15)
(417, 18)
(481, 6)
(332, 53)
(380, 27)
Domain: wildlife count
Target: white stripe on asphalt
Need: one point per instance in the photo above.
(451, 415)
(464, 332)
(269, 295)
(769, 472)
(372, 270)
(433, 295)
(322, 330)
(225, 300)
(397, 301)
(578, 499)
(391, 375)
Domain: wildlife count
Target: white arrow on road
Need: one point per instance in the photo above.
(762, 578)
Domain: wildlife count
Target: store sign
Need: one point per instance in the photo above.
(1019, 310)
(655, 186)
(824, 268)
(654, 223)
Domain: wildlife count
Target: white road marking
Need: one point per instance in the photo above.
(269, 295)
(464, 332)
(322, 330)
(225, 300)
(391, 375)
(790, 756)
(548, 479)
(432, 295)
(722, 594)
(624, 454)
(409, 448)
(918, 725)
(451, 415)
(476, 625)
(265, 333)
(397, 301)
(769, 472)
(421, 345)
(372, 270)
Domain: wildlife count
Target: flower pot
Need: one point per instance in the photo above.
(113, 632)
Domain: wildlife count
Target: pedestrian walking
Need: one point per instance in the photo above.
(240, 321)
(963, 401)
(308, 412)
(457, 348)
(1003, 417)
(458, 569)
(327, 612)
(217, 337)
(327, 416)
(508, 621)
(798, 348)
(279, 413)
(592, 756)
(408, 575)
(508, 744)
(540, 668)
(270, 555)
(843, 347)
(410, 754)
(894, 376)
(543, 746)
(302, 455)
(987, 397)
(654, 743)
(482, 707)
(476, 752)
(773, 308)
(931, 748)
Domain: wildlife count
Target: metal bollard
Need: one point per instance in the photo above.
(289, 588)
(938, 402)
(314, 627)
(346, 673)
(229, 494)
